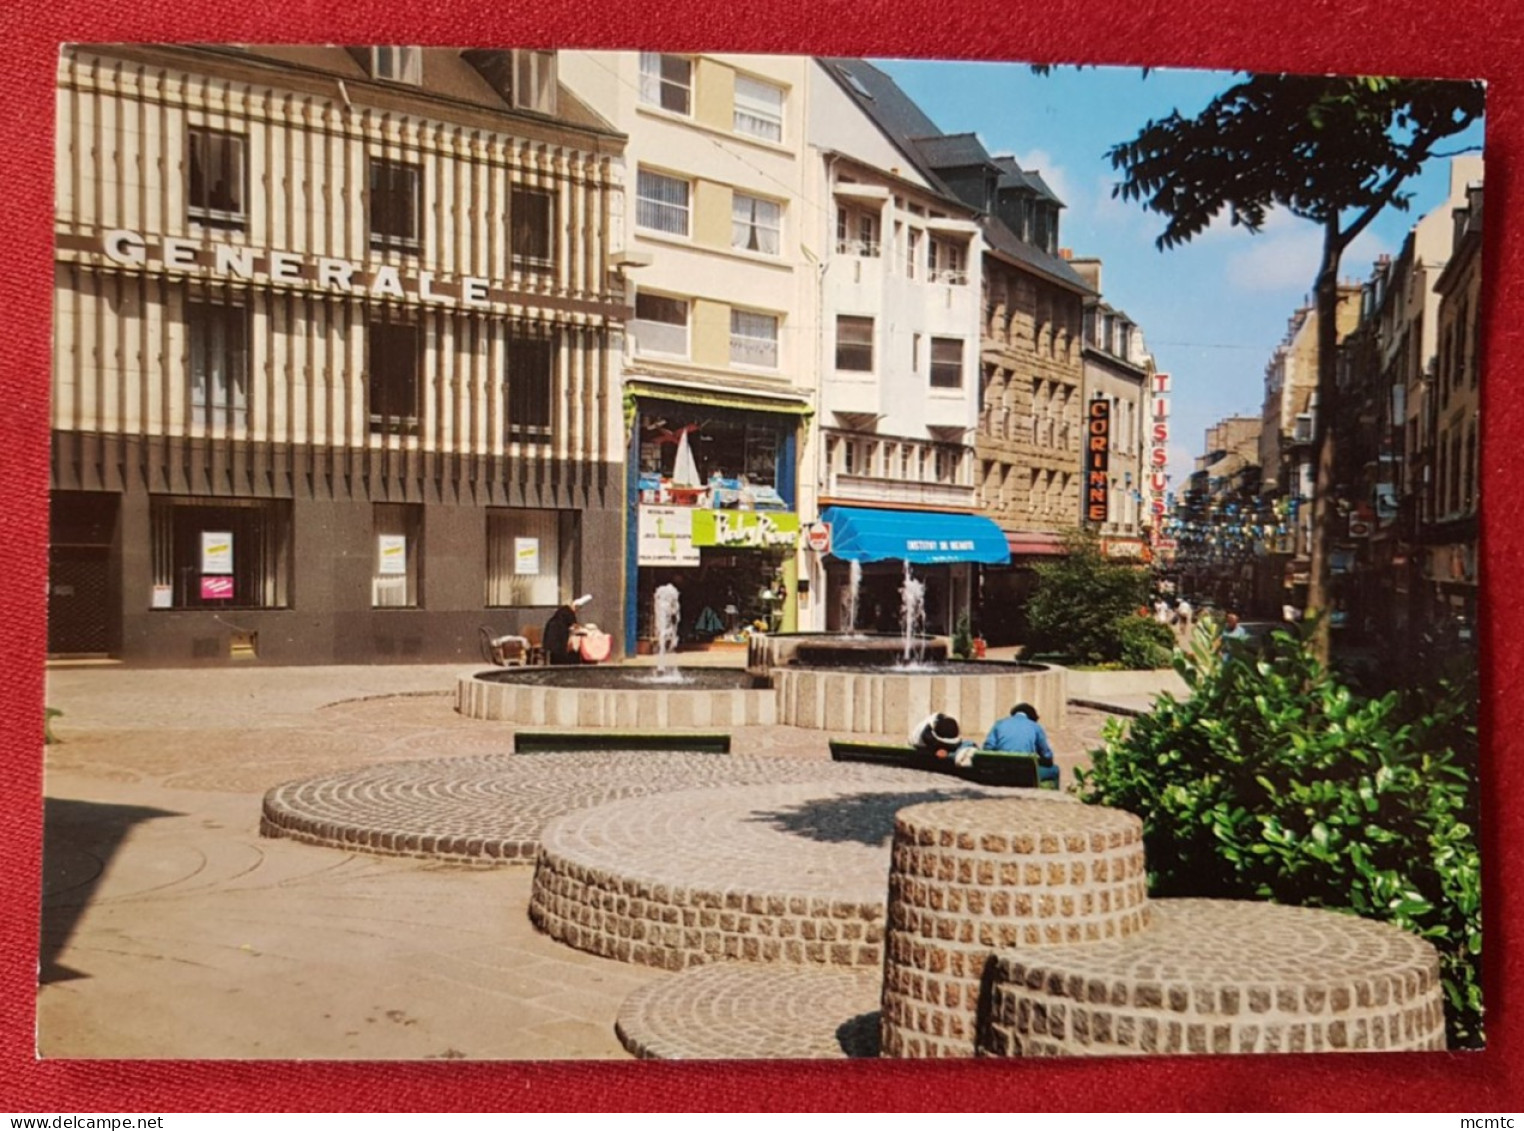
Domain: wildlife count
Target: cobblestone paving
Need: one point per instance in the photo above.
(490, 809)
(766, 873)
(739, 1011)
(1219, 976)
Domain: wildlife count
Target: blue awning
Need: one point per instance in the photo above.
(923, 537)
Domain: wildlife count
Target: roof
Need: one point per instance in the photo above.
(906, 125)
(1013, 176)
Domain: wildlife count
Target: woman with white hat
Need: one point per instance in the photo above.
(559, 630)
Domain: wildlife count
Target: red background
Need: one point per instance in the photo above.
(1459, 39)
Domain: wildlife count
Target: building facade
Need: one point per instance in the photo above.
(717, 368)
(334, 366)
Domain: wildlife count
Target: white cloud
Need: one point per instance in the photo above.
(1284, 256)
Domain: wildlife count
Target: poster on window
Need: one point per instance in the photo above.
(526, 555)
(163, 597)
(393, 548)
(216, 588)
(216, 551)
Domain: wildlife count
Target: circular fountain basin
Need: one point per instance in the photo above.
(863, 651)
(890, 700)
(630, 698)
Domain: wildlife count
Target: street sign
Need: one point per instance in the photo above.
(818, 537)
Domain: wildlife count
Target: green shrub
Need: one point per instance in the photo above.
(1143, 643)
(1273, 781)
(1079, 601)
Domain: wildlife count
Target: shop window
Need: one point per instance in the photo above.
(758, 109)
(753, 339)
(529, 557)
(662, 203)
(667, 81)
(854, 343)
(531, 388)
(661, 325)
(215, 181)
(396, 205)
(398, 534)
(218, 337)
(755, 224)
(531, 215)
(946, 363)
(394, 355)
(220, 553)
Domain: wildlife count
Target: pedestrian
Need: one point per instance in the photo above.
(1184, 612)
(1021, 733)
(559, 631)
(1161, 611)
(938, 736)
(1232, 630)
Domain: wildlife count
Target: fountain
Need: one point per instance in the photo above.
(913, 619)
(854, 588)
(622, 697)
(668, 608)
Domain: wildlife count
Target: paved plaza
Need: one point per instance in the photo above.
(159, 888)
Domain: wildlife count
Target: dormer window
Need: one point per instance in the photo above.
(397, 64)
(534, 81)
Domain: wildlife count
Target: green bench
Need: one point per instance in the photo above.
(561, 742)
(989, 767)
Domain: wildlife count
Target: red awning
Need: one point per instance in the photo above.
(1029, 543)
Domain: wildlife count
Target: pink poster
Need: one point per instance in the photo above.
(216, 588)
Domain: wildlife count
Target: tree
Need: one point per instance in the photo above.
(1086, 606)
(1335, 151)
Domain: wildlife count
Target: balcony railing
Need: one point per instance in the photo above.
(873, 489)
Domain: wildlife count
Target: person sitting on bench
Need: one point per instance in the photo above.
(937, 736)
(1021, 733)
(560, 630)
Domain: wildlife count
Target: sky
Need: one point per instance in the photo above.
(1212, 311)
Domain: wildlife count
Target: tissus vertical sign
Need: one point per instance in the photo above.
(1097, 456)
(1158, 456)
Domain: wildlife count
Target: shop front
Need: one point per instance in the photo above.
(712, 495)
(940, 549)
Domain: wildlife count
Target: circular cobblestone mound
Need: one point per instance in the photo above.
(767, 873)
(969, 878)
(743, 1011)
(490, 809)
(1219, 976)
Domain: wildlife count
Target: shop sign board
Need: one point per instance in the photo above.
(746, 529)
(664, 536)
(1097, 461)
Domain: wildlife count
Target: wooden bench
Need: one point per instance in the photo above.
(548, 742)
(989, 767)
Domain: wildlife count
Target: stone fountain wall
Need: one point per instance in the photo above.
(656, 707)
(890, 702)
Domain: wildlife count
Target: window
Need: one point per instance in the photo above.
(530, 554)
(946, 363)
(396, 205)
(759, 109)
(912, 251)
(534, 81)
(397, 64)
(394, 350)
(854, 343)
(661, 324)
(219, 363)
(221, 553)
(753, 339)
(667, 81)
(755, 224)
(531, 387)
(531, 216)
(945, 262)
(849, 457)
(398, 532)
(661, 203)
(215, 184)
(856, 233)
